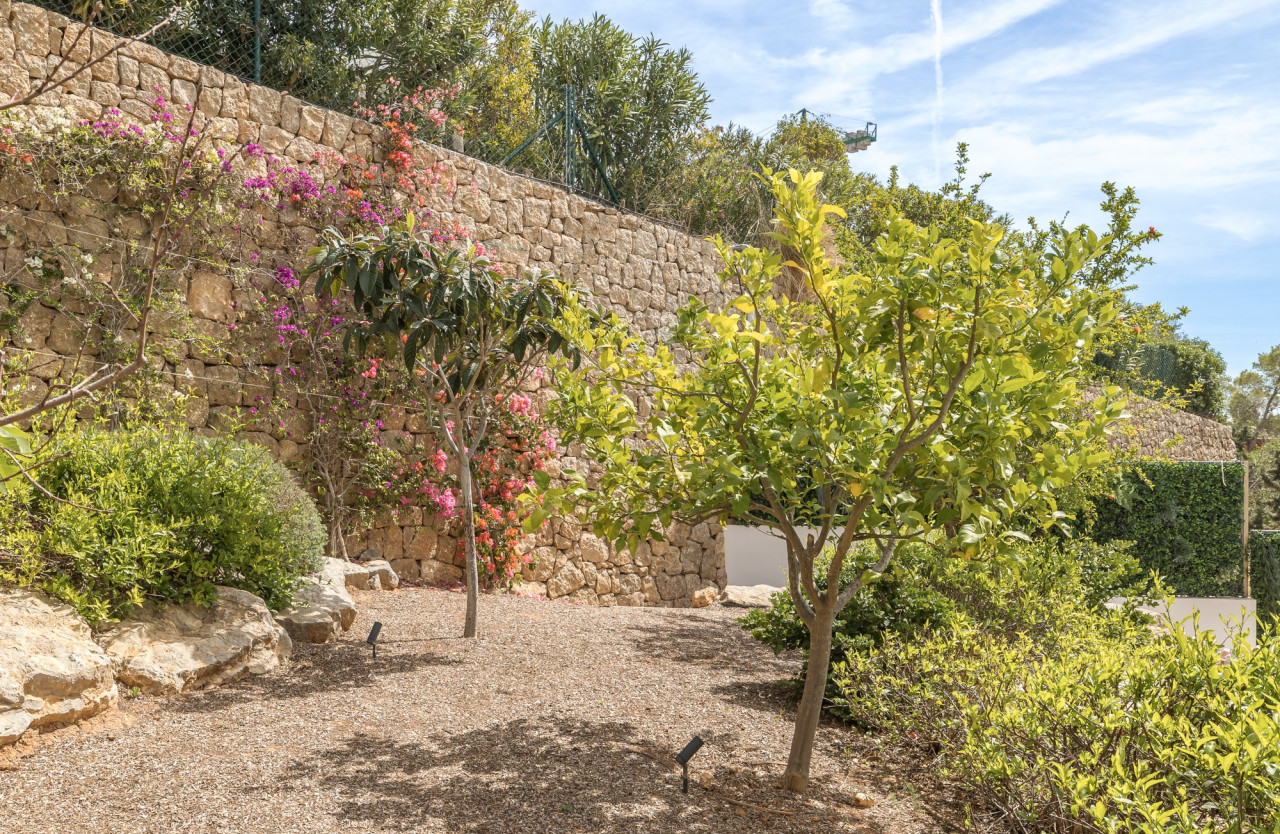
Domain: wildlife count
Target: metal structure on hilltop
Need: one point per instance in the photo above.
(572, 126)
(860, 140)
(854, 140)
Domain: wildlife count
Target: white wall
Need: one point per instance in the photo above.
(754, 557)
(1219, 615)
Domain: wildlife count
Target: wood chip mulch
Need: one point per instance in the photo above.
(560, 718)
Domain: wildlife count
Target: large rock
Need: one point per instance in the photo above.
(185, 647)
(51, 671)
(748, 596)
(382, 575)
(322, 609)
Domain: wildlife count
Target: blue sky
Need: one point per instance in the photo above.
(1179, 99)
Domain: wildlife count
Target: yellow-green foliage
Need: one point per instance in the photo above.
(144, 515)
(1098, 726)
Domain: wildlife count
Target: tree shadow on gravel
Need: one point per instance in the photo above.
(314, 669)
(700, 640)
(548, 775)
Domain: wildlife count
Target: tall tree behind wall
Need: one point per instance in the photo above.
(639, 100)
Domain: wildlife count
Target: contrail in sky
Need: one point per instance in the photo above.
(935, 6)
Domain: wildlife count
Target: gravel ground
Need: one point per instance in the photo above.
(558, 719)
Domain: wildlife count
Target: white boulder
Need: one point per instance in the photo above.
(322, 608)
(51, 671)
(185, 647)
(748, 596)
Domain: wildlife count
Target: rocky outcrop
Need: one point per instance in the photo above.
(51, 671)
(322, 608)
(185, 647)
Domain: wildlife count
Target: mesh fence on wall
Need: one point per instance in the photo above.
(220, 33)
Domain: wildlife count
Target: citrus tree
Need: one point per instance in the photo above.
(468, 334)
(929, 396)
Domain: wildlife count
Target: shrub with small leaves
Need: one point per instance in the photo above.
(145, 516)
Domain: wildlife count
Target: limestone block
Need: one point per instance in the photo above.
(209, 296)
(6, 42)
(130, 71)
(104, 93)
(274, 140)
(184, 92)
(649, 587)
(569, 579)
(75, 46)
(302, 149)
(423, 544)
(210, 102)
(184, 69)
(290, 113)
(235, 100)
(593, 548)
(436, 572)
(704, 596)
(154, 81)
(51, 671)
(223, 385)
(264, 105)
(337, 128)
(66, 335)
(406, 568)
(185, 647)
(145, 53)
(311, 123)
(30, 26)
(536, 213)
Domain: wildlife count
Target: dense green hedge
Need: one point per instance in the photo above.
(1184, 520)
(1264, 558)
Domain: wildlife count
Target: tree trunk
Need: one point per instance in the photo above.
(796, 776)
(469, 532)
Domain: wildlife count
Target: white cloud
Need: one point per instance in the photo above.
(835, 15)
(848, 73)
(1248, 226)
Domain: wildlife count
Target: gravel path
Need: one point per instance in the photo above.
(558, 719)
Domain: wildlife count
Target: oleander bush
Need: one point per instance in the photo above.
(129, 517)
(1096, 726)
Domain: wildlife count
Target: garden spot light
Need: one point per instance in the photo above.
(373, 638)
(685, 755)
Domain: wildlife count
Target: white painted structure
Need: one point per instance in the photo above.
(1222, 616)
(753, 556)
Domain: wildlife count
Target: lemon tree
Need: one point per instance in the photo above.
(929, 395)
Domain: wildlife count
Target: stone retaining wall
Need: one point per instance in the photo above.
(644, 270)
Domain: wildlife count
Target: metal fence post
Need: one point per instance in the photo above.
(257, 41)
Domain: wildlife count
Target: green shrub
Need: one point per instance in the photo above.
(165, 517)
(1100, 727)
(1264, 552)
(924, 592)
(1184, 519)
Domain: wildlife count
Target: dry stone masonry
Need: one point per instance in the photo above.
(642, 269)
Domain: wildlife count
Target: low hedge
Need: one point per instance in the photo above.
(1184, 520)
(148, 516)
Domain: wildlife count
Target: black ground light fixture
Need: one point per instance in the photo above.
(685, 755)
(373, 638)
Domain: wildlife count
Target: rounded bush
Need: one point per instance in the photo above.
(147, 515)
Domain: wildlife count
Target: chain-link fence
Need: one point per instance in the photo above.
(325, 53)
(221, 33)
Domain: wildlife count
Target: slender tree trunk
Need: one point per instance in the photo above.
(469, 531)
(796, 776)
